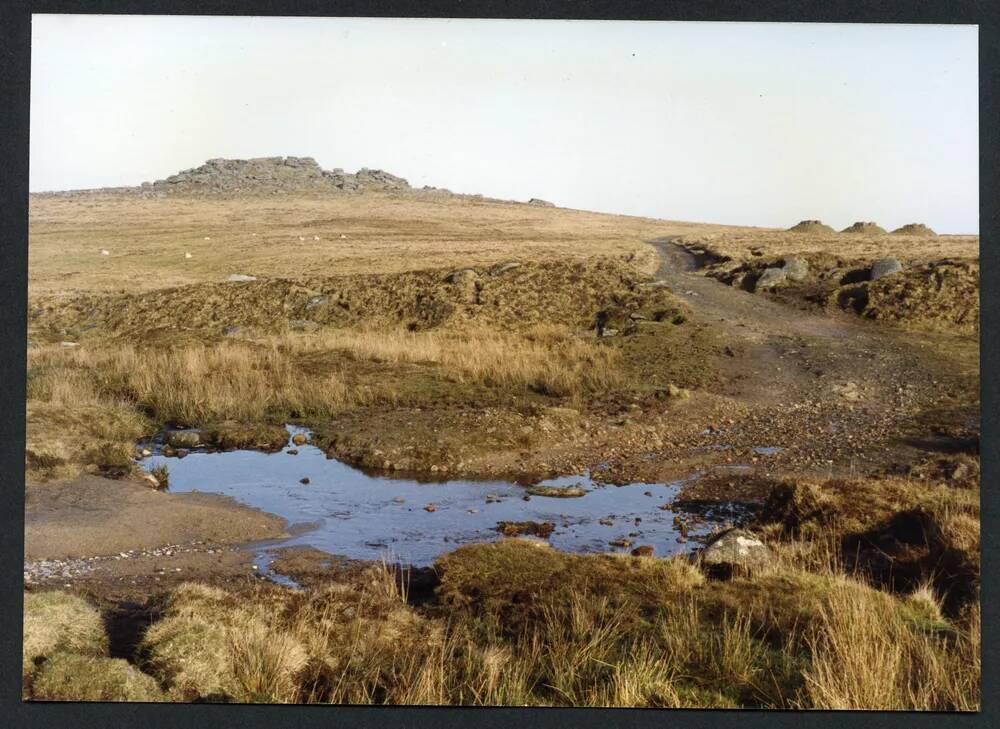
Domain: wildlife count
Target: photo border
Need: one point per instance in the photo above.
(15, 38)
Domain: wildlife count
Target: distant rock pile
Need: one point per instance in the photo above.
(865, 228)
(273, 174)
(811, 226)
(914, 229)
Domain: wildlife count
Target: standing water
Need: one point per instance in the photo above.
(343, 511)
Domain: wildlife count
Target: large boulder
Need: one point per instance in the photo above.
(770, 278)
(736, 547)
(885, 267)
(796, 269)
(183, 438)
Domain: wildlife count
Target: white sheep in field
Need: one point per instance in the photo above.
(105, 252)
(188, 255)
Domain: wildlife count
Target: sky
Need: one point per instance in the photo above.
(741, 123)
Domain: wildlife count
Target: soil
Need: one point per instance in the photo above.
(94, 515)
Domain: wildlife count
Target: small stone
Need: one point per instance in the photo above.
(643, 550)
(430, 507)
(298, 439)
(292, 451)
(304, 480)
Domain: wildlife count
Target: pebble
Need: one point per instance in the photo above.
(43, 570)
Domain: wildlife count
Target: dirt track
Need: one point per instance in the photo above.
(836, 393)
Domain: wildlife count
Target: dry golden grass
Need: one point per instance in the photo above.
(738, 245)
(359, 642)
(56, 622)
(73, 677)
(85, 399)
(147, 238)
(658, 635)
(867, 655)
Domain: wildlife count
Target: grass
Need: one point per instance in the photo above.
(740, 245)
(73, 677)
(90, 404)
(517, 624)
(56, 622)
(147, 238)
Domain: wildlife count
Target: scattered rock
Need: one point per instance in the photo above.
(183, 438)
(557, 492)
(885, 267)
(736, 547)
(849, 391)
(521, 528)
(303, 325)
(796, 269)
(770, 278)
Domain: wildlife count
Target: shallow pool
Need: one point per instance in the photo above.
(346, 512)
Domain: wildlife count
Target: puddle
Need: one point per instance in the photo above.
(768, 450)
(346, 512)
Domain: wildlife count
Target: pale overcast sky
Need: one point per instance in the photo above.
(744, 123)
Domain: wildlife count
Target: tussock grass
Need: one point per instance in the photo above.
(543, 358)
(55, 622)
(89, 404)
(74, 677)
(517, 624)
(866, 655)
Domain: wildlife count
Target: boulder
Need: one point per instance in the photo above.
(885, 267)
(796, 269)
(643, 550)
(736, 547)
(541, 203)
(183, 438)
(557, 492)
(770, 278)
(522, 528)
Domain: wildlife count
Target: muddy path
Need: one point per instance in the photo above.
(838, 394)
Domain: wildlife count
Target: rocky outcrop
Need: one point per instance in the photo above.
(914, 229)
(811, 226)
(273, 174)
(864, 228)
